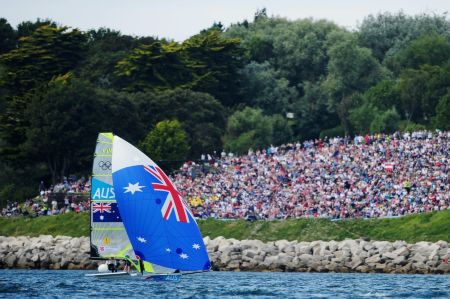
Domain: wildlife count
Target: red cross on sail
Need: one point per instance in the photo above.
(174, 202)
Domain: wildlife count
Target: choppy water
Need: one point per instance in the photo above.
(73, 284)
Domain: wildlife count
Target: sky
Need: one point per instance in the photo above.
(180, 19)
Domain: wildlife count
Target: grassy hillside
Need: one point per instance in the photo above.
(425, 227)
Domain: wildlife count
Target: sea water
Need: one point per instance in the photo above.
(73, 284)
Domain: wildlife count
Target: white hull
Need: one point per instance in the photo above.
(115, 275)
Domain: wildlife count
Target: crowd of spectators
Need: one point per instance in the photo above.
(363, 177)
(69, 195)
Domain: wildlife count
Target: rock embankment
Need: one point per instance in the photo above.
(49, 252)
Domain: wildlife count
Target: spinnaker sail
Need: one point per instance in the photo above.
(158, 222)
(108, 235)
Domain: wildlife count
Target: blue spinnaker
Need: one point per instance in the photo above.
(158, 222)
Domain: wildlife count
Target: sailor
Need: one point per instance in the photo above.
(111, 265)
(127, 267)
(141, 264)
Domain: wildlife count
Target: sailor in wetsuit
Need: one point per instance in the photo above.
(111, 265)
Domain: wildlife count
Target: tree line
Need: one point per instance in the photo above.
(223, 88)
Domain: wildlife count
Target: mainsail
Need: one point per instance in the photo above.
(108, 235)
(158, 222)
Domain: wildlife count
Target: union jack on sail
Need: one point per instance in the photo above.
(101, 207)
(174, 202)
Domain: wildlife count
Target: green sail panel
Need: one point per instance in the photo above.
(108, 235)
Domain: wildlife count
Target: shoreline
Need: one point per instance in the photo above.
(358, 256)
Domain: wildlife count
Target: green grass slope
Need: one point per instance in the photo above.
(70, 224)
(425, 227)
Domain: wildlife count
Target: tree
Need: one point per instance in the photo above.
(386, 122)
(8, 39)
(105, 48)
(63, 125)
(264, 89)
(442, 119)
(246, 129)
(351, 70)
(297, 50)
(205, 62)
(166, 141)
(384, 95)
(311, 112)
(46, 53)
(200, 115)
(214, 61)
(153, 67)
(421, 89)
(362, 117)
(282, 129)
(27, 28)
(431, 49)
(300, 50)
(386, 34)
(249, 128)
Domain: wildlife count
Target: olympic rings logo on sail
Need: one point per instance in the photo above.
(105, 165)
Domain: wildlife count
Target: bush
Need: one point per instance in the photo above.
(333, 132)
(409, 126)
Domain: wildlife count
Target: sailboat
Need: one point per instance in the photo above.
(137, 214)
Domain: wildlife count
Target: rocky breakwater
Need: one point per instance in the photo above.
(331, 256)
(47, 252)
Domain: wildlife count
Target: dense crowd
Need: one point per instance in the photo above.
(69, 195)
(364, 177)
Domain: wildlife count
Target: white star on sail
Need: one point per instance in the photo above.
(133, 188)
(168, 250)
(184, 256)
(196, 246)
(142, 239)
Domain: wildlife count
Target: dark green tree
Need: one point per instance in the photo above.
(154, 67)
(27, 28)
(431, 49)
(386, 122)
(64, 120)
(311, 113)
(264, 89)
(281, 130)
(442, 119)
(214, 62)
(200, 114)
(421, 89)
(105, 48)
(384, 95)
(8, 37)
(362, 117)
(46, 53)
(351, 70)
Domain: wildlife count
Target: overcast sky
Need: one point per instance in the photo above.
(179, 19)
